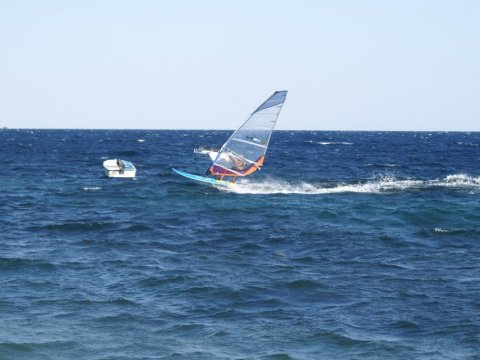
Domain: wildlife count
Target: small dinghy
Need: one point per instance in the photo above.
(204, 151)
(116, 168)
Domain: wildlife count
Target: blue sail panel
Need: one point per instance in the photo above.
(277, 98)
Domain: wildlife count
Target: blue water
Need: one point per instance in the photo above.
(346, 245)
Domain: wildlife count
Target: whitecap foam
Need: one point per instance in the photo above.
(328, 142)
(384, 165)
(376, 186)
(334, 143)
(467, 144)
(461, 180)
(91, 188)
(440, 230)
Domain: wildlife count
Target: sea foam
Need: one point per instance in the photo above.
(377, 186)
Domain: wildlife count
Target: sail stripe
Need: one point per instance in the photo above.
(235, 155)
(250, 142)
(259, 127)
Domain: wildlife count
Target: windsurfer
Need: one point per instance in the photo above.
(237, 162)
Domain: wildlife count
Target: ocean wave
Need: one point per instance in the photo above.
(467, 231)
(91, 188)
(341, 339)
(15, 347)
(461, 180)
(440, 230)
(467, 144)
(154, 281)
(16, 263)
(277, 356)
(128, 153)
(334, 143)
(121, 301)
(381, 185)
(383, 165)
(75, 226)
(328, 142)
(304, 284)
(138, 227)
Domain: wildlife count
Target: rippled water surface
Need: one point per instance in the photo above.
(346, 245)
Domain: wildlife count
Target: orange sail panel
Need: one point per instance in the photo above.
(236, 171)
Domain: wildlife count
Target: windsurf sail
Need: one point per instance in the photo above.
(244, 152)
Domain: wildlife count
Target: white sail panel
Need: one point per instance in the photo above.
(244, 151)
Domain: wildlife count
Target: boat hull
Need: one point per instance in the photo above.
(112, 170)
(117, 174)
(212, 154)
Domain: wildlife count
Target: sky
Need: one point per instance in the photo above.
(348, 65)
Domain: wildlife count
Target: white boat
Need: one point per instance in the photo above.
(117, 168)
(202, 150)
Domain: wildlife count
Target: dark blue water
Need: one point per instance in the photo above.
(346, 245)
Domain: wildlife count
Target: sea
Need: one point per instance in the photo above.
(345, 245)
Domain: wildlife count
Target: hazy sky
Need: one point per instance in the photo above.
(348, 65)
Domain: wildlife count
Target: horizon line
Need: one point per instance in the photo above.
(233, 129)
